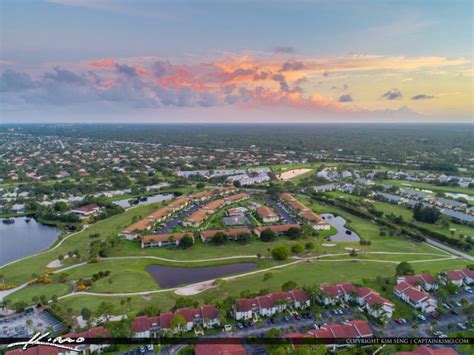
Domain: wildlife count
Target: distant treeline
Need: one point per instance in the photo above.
(398, 141)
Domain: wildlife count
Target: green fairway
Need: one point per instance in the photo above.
(303, 274)
(26, 294)
(434, 188)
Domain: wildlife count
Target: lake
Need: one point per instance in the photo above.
(169, 277)
(150, 199)
(22, 239)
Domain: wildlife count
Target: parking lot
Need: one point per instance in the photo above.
(18, 326)
(285, 214)
(178, 218)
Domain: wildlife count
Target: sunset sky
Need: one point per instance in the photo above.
(236, 61)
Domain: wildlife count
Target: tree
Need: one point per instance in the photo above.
(86, 313)
(310, 246)
(280, 253)
(63, 277)
(29, 323)
(353, 253)
(426, 214)
(106, 309)
(404, 268)
(288, 286)
(186, 242)
(178, 323)
(219, 238)
(297, 248)
(267, 277)
(200, 185)
(293, 233)
(267, 235)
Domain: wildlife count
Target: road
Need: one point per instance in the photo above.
(449, 249)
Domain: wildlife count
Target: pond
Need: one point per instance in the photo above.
(21, 239)
(149, 199)
(343, 234)
(169, 277)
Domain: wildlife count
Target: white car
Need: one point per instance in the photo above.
(461, 326)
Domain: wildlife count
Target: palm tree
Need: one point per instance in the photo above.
(29, 323)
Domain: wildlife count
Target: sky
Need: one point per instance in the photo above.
(236, 61)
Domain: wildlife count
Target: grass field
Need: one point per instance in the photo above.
(434, 188)
(303, 274)
(26, 294)
(21, 271)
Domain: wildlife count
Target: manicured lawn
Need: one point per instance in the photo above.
(21, 271)
(208, 250)
(435, 188)
(26, 294)
(303, 274)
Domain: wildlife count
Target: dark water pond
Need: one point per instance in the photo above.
(169, 277)
(21, 239)
(150, 199)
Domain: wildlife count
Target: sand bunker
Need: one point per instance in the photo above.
(290, 174)
(55, 263)
(194, 289)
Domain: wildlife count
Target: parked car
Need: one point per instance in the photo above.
(454, 312)
(421, 317)
(461, 326)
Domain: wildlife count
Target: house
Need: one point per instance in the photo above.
(192, 316)
(458, 277)
(236, 198)
(93, 333)
(202, 196)
(236, 212)
(266, 214)
(179, 203)
(414, 297)
(131, 232)
(426, 281)
(227, 190)
(350, 329)
(279, 229)
(209, 316)
(268, 305)
(373, 303)
(219, 349)
(159, 240)
(196, 218)
(234, 233)
(425, 350)
(37, 350)
(161, 214)
(87, 210)
(145, 327)
(206, 316)
(315, 220)
(213, 206)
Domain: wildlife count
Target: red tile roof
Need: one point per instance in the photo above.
(38, 350)
(219, 349)
(165, 320)
(424, 350)
(299, 295)
(210, 233)
(264, 211)
(278, 228)
(209, 312)
(87, 208)
(265, 301)
(190, 314)
(245, 304)
(362, 327)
